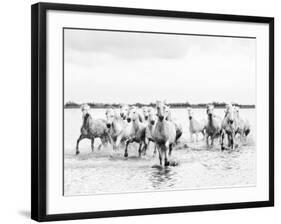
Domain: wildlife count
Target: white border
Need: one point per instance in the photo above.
(56, 203)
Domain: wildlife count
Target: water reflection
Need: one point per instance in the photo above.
(106, 171)
(162, 177)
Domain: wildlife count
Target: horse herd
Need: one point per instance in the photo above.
(156, 124)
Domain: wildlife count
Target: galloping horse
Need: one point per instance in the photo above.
(243, 125)
(91, 129)
(119, 129)
(195, 126)
(229, 126)
(152, 119)
(137, 133)
(213, 127)
(164, 133)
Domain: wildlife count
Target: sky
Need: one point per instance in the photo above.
(130, 67)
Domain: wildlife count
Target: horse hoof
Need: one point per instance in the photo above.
(167, 163)
(77, 152)
(126, 154)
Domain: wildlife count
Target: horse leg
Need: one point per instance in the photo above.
(110, 140)
(160, 154)
(212, 140)
(144, 148)
(191, 137)
(170, 149)
(233, 140)
(140, 148)
(229, 140)
(92, 143)
(126, 147)
(222, 139)
(145, 145)
(103, 141)
(77, 143)
(243, 137)
(203, 134)
(118, 140)
(164, 150)
(207, 141)
(155, 148)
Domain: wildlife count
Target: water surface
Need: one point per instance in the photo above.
(107, 171)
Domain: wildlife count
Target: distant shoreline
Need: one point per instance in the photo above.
(171, 106)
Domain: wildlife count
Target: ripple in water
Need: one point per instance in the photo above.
(106, 171)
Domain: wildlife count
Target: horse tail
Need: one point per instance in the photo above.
(178, 132)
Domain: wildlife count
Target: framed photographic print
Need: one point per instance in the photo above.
(140, 111)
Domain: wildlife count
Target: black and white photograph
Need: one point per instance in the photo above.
(151, 111)
(139, 111)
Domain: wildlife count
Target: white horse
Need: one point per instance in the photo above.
(137, 133)
(195, 126)
(168, 117)
(91, 129)
(119, 129)
(164, 133)
(230, 126)
(243, 125)
(152, 119)
(213, 126)
(124, 109)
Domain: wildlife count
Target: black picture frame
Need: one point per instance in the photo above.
(39, 108)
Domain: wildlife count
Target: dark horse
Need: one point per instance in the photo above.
(91, 129)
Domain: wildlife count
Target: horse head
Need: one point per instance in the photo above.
(230, 114)
(210, 110)
(190, 113)
(152, 117)
(161, 110)
(133, 115)
(110, 115)
(124, 110)
(236, 109)
(145, 111)
(85, 109)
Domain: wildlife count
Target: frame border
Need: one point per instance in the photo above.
(38, 110)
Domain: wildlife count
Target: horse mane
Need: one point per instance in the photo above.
(140, 117)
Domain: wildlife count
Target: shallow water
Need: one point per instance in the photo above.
(107, 171)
